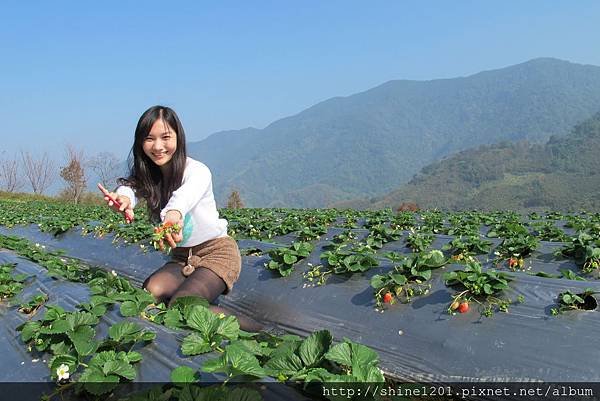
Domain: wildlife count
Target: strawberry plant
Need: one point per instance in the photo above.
(70, 338)
(208, 330)
(312, 232)
(283, 259)
(565, 273)
(461, 228)
(54, 261)
(579, 223)
(467, 246)
(516, 248)
(418, 241)
(570, 275)
(508, 228)
(9, 285)
(341, 259)
(464, 224)
(380, 235)
(348, 259)
(547, 231)
(407, 279)
(433, 222)
(349, 222)
(345, 236)
(403, 221)
(34, 304)
(477, 286)
(317, 359)
(585, 249)
(376, 219)
(568, 300)
(183, 389)
(106, 369)
(235, 360)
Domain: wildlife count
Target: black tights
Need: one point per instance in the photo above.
(168, 284)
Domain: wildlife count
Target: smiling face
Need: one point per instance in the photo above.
(161, 143)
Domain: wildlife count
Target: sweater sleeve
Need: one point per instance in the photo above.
(196, 181)
(128, 192)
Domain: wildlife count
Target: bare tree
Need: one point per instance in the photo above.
(74, 175)
(106, 166)
(235, 200)
(40, 172)
(9, 175)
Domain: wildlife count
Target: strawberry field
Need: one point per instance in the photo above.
(364, 296)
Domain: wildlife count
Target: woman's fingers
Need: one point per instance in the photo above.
(177, 237)
(170, 240)
(124, 202)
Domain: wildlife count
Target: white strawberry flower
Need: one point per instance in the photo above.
(62, 372)
(114, 273)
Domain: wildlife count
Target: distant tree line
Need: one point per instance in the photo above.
(39, 172)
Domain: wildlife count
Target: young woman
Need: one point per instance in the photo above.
(178, 190)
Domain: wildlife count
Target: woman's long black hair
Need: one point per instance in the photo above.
(145, 177)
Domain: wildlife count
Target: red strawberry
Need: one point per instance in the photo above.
(512, 262)
(387, 297)
(463, 307)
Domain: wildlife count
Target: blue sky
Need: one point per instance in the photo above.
(81, 73)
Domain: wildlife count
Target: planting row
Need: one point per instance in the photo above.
(79, 360)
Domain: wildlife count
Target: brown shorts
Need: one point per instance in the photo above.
(220, 255)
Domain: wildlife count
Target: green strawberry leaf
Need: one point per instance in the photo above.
(123, 330)
(119, 367)
(228, 327)
(314, 347)
(59, 326)
(203, 320)
(129, 309)
(77, 319)
(83, 340)
(183, 374)
(195, 344)
(133, 356)
(173, 319)
(286, 363)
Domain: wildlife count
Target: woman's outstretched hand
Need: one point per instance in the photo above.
(119, 203)
(172, 217)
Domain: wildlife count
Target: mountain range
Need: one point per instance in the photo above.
(369, 144)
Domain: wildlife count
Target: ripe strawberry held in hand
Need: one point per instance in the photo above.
(160, 232)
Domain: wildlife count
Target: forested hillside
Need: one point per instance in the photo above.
(561, 174)
(369, 143)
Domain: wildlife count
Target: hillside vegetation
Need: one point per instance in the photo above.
(561, 174)
(372, 142)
